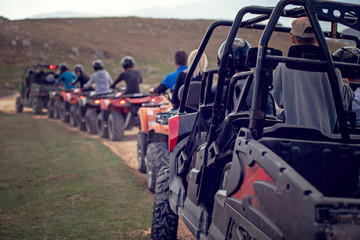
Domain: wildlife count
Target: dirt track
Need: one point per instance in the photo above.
(126, 150)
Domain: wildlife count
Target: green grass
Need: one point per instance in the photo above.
(10, 75)
(55, 184)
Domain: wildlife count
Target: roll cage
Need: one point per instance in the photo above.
(332, 12)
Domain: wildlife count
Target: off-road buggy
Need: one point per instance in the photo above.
(121, 112)
(35, 85)
(244, 174)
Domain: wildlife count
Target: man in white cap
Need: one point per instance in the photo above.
(305, 96)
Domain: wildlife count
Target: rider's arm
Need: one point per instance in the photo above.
(160, 89)
(59, 79)
(91, 81)
(75, 81)
(119, 79)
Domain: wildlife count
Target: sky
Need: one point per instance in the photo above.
(212, 9)
(20, 9)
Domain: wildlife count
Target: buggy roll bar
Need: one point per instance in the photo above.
(196, 60)
(263, 71)
(222, 70)
(266, 11)
(313, 9)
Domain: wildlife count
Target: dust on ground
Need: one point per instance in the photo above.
(126, 150)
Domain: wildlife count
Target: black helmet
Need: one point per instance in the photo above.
(128, 62)
(98, 65)
(78, 68)
(348, 54)
(237, 57)
(63, 67)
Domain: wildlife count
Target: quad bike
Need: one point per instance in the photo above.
(88, 109)
(72, 106)
(58, 106)
(121, 112)
(35, 85)
(152, 141)
(244, 174)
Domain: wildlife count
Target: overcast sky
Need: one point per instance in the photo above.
(20, 9)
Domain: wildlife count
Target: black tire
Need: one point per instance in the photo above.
(164, 221)
(50, 109)
(57, 109)
(18, 106)
(37, 105)
(79, 120)
(64, 115)
(157, 156)
(72, 115)
(90, 121)
(141, 151)
(101, 127)
(116, 126)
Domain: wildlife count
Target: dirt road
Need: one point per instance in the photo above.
(126, 149)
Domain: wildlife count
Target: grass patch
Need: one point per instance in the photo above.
(10, 75)
(55, 184)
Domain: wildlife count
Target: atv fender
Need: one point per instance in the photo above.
(143, 116)
(180, 126)
(176, 187)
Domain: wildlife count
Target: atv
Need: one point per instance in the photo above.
(237, 173)
(73, 104)
(120, 112)
(59, 103)
(152, 141)
(88, 109)
(35, 85)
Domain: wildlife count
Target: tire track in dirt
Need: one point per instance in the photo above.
(126, 150)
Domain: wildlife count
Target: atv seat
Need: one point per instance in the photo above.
(105, 95)
(193, 98)
(134, 95)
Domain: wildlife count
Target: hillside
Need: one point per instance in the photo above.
(152, 42)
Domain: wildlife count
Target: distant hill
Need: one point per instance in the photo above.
(86, 39)
(351, 32)
(63, 15)
(152, 42)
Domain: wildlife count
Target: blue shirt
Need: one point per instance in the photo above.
(170, 79)
(67, 78)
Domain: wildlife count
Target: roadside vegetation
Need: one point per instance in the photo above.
(56, 184)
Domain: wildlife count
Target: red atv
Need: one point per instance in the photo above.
(69, 98)
(87, 110)
(58, 104)
(121, 112)
(73, 105)
(153, 136)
